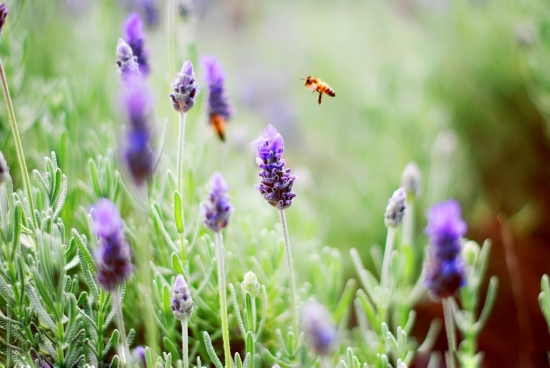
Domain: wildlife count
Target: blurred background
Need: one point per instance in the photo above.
(462, 88)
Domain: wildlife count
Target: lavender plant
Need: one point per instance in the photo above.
(67, 252)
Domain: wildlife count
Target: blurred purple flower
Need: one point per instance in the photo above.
(219, 108)
(217, 210)
(127, 62)
(182, 303)
(112, 256)
(445, 268)
(276, 183)
(138, 355)
(137, 153)
(133, 32)
(185, 88)
(319, 330)
(3, 15)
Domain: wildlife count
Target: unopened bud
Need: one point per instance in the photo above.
(411, 180)
(250, 284)
(395, 209)
(470, 253)
(182, 303)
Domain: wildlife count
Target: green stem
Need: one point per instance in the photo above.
(180, 176)
(450, 328)
(385, 275)
(185, 343)
(408, 223)
(18, 145)
(223, 300)
(291, 276)
(123, 349)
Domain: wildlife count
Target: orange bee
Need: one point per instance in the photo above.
(317, 85)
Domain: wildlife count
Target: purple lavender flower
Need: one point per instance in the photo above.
(445, 268)
(319, 329)
(217, 210)
(182, 303)
(276, 183)
(185, 88)
(133, 31)
(112, 256)
(3, 15)
(395, 209)
(138, 154)
(138, 355)
(219, 108)
(127, 62)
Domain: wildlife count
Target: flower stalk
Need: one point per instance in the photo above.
(223, 299)
(451, 335)
(123, 349)
(18, 145)
(291, 276)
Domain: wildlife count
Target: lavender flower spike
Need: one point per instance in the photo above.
(445, 268)
(138, 154)
(112, 256)
(133, 32)
(3, 15)
(219, 108)
(182, 303)
(185, 88)
(319, 329)
(276, 183)
(395, 209)
(217, 210)
(127, 62)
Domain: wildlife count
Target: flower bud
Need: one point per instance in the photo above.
(470, 253)
(250, 284)
(411, 180)
(395, 209)
(182, 303)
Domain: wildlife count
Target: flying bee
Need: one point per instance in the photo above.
(317, 85)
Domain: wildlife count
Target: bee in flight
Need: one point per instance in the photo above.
(317, 85)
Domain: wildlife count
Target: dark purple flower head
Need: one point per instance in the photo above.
(276, 183)
(219, 108)
(182, 303)
(138, 155)
(112, 256)
(445, 268)
(133, 32)
(445, 229)
(127, 62)
(319, 329)
(395, 209)
(217, 210)
(3, 15)
(185, 88)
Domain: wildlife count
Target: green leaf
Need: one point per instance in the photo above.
(43, 316)
(62, 197)
(171, 347)
(113, 341)
(93, 174)
(148, 358)
(16, 228)
(369, 310)
(210, 350)
(115, 362)
(345, 299)
(178, 212)
(176, 264)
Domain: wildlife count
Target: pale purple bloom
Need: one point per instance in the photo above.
(185, 88)
(445, 268)
(395, 209)
(411, 180)
(276, 183)
(137, 153)
(134, 36)
(113, 255)
(219, 108)
(138, 355)
(127, 62)
(319, 330)
(3, 15)
(217, 210)
(182, 303)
